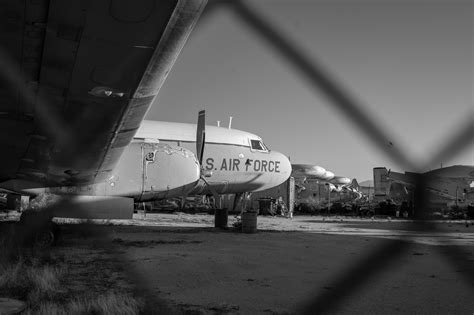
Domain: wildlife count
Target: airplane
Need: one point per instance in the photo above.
(233, 161)
(337, 183)
(449, 183)
(353, 187)
(307, 173)
(77, 80)
(101, 167)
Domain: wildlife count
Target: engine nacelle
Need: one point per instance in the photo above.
(149, 171)
(340, 180)
(328, 175)
(305, 170)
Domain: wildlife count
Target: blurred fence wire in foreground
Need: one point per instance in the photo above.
(319, 77)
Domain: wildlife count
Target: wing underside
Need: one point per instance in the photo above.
(77, 80)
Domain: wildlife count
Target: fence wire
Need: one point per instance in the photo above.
(318, 76)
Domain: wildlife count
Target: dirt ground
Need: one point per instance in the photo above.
(181, 263)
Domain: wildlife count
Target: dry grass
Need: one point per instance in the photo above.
(109, 303)
(44, 287)
(50, 281)
(30, 279)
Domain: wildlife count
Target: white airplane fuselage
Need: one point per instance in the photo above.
(161, 163)
(234, 161)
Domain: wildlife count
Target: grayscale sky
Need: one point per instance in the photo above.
(409, 63)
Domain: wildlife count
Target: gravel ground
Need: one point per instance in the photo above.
(180, 262)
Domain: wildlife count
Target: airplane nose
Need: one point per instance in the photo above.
(285, 166)
(281, 173)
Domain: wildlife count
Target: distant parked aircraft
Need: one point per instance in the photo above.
(451, 183)
(316, 183)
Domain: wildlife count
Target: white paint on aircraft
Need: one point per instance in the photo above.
(235, 161)
(165, 130)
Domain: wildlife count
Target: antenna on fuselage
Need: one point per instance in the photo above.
(230, 122)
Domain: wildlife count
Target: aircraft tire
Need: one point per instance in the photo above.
(48, 236)
(38, 229)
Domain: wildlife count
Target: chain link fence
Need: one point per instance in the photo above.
(357, 275)
(316, 74)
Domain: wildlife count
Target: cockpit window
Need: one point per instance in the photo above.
(258, 145)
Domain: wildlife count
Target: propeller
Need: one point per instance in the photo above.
(200, 146)
(201, 136)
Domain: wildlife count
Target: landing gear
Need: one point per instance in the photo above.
(46, 237)
(38, 229)
(242, 201)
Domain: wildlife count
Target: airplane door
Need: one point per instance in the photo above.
(158, 170)
(167, 169)
(150, 169)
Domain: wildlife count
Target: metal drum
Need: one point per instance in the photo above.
(220, 218)
(249, 222)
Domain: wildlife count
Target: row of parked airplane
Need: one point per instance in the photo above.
(167, 160)
(304, 173)
(80, 79)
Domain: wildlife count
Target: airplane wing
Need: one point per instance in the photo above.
(463, 173)
(407, 179)
(78, 78)
(449, 182)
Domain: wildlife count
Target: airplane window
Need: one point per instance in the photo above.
(258, 145)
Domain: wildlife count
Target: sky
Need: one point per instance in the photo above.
(409, 64)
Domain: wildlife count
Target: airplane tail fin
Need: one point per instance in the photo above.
(381, 181)
(355, 184)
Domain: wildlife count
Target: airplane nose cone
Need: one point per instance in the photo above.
(279, 174)
(285, 167)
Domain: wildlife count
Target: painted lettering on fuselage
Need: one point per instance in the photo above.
(230, 165)
(234, 165)
(209, 164)
(262, 166)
